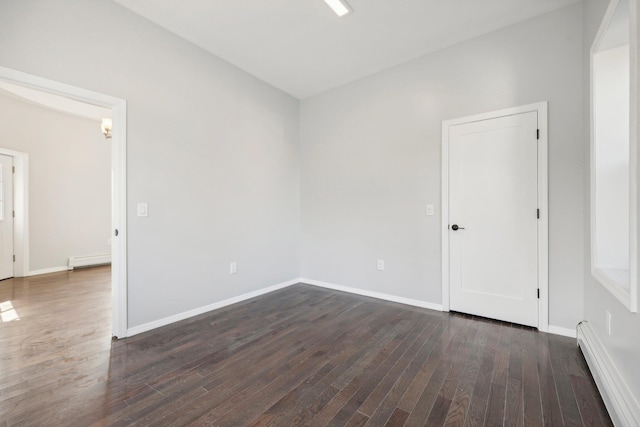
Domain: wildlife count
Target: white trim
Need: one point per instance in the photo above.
(377, 295)
(620, 402)
(47, 271)
(444, 217)
(207, 308)
(21, 209)
(558, 330)
(629, 298)
(119, 260)
(543, 223)
(634, 92)
(543, 202)
(119, 179)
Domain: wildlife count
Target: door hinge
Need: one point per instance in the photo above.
(13, 213)
(13, 169)
(538, 213)
(14, 258)
(537, 133)
(538, 293)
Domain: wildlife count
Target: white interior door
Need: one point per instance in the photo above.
(6, 217)
(493, 221)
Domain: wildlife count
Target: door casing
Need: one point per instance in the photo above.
(543, 203)
(8, 210)
(21, 209)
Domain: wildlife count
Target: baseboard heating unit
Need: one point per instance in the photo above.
(619, 400)
(88, 261)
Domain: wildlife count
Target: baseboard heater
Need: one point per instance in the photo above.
(618, 398)
(88, 261)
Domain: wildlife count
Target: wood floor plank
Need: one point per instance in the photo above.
(375, 376)
(223, 396)
(397, 419)
(388, 406)
(461, 401)
(551, 413)
(300, 356)
(416, 388)
(514, 401)
(357, 420)
(567, 399)
(480, 397)
(531, 381)
(355, 349)
(384, 386)
(438, 389)
(592, 409)
(265, 384)
(353, 371)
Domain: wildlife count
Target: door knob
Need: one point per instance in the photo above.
(455, 227)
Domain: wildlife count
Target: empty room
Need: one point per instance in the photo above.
(319, 212)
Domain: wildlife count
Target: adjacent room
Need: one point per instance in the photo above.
(319, 212)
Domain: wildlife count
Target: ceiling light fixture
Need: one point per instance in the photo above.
(340, 7)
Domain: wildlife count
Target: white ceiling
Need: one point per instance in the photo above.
(303, 48)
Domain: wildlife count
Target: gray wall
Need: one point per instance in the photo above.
(212, 150)
(623, 345)
(370, 163)
(69, 181)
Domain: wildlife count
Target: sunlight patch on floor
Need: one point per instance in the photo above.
(7, 312)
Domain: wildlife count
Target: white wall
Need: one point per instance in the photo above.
(622, 345)
(371, 159)
(69, 181)
(212, 150)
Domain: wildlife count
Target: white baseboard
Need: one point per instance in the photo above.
(622, 406)
(565, 332)
(205, 309)
(386, 297)
(47, 271)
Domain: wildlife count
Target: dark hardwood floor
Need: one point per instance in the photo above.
(299, 356)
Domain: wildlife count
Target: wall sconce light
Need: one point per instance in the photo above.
(106, 128)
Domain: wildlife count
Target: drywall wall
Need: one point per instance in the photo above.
(211, 149)
(622, 346)
(370, 159)
(69, 181)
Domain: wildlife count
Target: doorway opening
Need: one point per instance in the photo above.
(118, 187)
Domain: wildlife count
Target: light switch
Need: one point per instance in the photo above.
(143, 209)
(429, 210)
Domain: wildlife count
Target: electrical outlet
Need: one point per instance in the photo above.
(233, 268)
(380, 265)
(608, 322)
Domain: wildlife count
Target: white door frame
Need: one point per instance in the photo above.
(21, 209)
(543, 203)
(119, 189)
